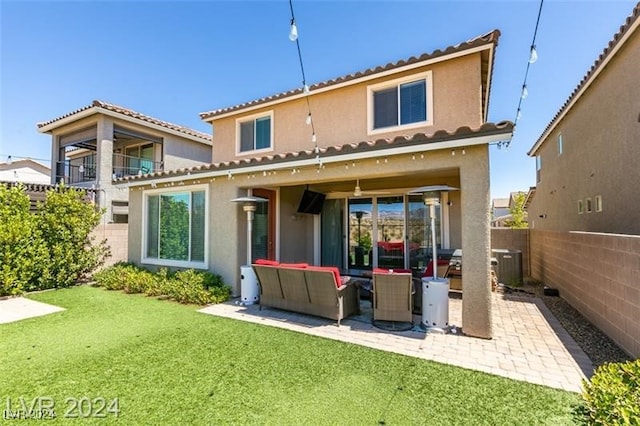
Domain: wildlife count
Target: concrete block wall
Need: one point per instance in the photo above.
(116, 235)
(598, 275)
(513, 239)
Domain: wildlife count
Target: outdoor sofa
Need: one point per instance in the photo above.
(313, 290)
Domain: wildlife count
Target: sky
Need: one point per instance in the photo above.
(175, 59)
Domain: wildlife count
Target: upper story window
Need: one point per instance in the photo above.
(255, 133)
(560, 144)
(538, 168)
(402, 103)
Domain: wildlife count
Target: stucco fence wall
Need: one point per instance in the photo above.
(597, 274)
(116, 236)
(513, 239)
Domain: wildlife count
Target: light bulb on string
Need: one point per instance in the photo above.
(518, 115)
(308, 120)
(313, 138)
(305, 89)
(533, 57)
(293, 32)
(525, 92)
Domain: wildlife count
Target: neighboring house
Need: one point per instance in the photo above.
(99, 143)
(502, 207)
(499, 211)
(379, 134)
(25, 171)
(587, 158)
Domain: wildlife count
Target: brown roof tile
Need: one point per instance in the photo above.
(486, 129)
(133, 114)
(488, 38)
(635, 15)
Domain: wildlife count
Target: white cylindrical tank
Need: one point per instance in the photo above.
(435, 303)
(249, 291)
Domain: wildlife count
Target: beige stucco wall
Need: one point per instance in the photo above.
(601, 138)
(598, 275)
(340, 116)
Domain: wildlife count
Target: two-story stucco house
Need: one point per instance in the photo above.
(338, 183)
(99, 143)
(587, 157)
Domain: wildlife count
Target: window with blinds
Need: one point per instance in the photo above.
(400, 103)
(255, 134)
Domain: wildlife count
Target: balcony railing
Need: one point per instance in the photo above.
(77, 171)
(126, 165)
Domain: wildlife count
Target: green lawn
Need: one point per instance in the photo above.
(168, 364)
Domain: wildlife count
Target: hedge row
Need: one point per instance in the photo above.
(187, 286)
(51, 247)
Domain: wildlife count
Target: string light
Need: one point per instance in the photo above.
(294, 37)
(293, 31)
(533, 57)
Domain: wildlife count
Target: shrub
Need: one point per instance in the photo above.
(188, 286)
(612, 397)
(50, 248)
(66, 222)
(23, 256)
(115, 277)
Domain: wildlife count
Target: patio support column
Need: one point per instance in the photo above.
(476, 245)
(104, 164)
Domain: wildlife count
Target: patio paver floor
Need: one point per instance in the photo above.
(528, 344)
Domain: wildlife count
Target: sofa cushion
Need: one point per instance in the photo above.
(266, 262)
(294, 265)
(333, 269)
(428, 272)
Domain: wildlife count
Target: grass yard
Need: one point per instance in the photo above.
(168, 364)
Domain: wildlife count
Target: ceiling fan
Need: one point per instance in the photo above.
(358, 192)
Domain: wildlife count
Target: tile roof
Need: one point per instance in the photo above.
(631, 19)
(486, 129)
(133, 114)
(485, 39)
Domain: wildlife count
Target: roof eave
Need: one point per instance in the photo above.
(48, 128)
(291, 160)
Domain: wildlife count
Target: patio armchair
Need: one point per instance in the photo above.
(392, 297)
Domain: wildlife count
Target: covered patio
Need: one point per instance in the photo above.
(528, 344)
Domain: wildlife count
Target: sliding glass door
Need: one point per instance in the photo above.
(391, 232)
(360, 233)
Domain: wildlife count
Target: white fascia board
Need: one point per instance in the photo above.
(532, 152)
(433, 146)
(99, 110)
(350, 82)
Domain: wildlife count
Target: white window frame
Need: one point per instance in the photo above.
(253, 118)
(560, 143)
(170, 262)
(597, 203)
(427, 76)
(588, 205)
(580, 207)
